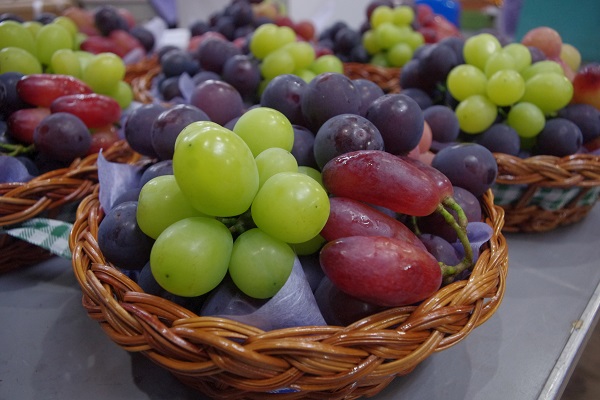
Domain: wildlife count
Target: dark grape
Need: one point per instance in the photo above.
(468, 165)
(10, 101)
(327, 95)
(443, 123)
(283, 93)
(400, 121)
(345, 40)
(132, 194)
(536, 54)
(13, 170)
(500, 138)
(144, 36)
(560, 137)
(107, 19)
(368, 91)
(302, 150)
(586, 117)
(204, 76)
(345, 133)
(138, 128)
(242, 72)
(422, 98)
(32, 168)
(176, 62)
(121, 240)
(169, 124)
(160, 168)
(62, 136)
(198, 27)
(440, 248)
(436, 61)
(212, 54)
(219, 100)
(241, 13)
(411, 76)
(169, 88)
(457, 44)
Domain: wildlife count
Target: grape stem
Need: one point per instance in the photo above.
(16, 149)
(459, 224)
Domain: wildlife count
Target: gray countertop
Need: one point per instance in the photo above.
(50, 349)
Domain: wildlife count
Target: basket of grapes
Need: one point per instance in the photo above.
(53, 126)
(244, 263)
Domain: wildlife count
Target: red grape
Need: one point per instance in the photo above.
(42, 89)
(22, 123)
(95, 110)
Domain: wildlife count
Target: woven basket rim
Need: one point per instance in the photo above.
(227, 359)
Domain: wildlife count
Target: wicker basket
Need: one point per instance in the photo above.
(225, 359)
(47, 195)
(541, 193)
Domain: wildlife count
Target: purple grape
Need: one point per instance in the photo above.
(160, 168)
(500, 138)
(345, 40)
(400, 121)
(457, 44)
(132, 194)
(108, 19)
(536, 54)
(219, 100)
(169, 124)
(327, 95)
(560, 137)
(144, 36)
(176, 62)
(443, 123)
(204, 76)
(198, 27)
(62, 136)
(436, 61)
(10, 101)
(121, 240)
(440, 248)
(283, 93)
(586, 117)
(468, 165)
(169, 88)
(368, 91)
(242, 72)
(411, 76)
(241, 13)
(138, 128)
(422, 98)
(345, 133)
(13, 170)
(303, 148)
(212, 54)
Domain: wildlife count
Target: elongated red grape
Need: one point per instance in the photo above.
(95, 110)
(381, 270)
(42, 89)
(380, 178)
(349, 217)
(21, 124)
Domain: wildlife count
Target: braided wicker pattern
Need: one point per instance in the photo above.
(387, 79)
(579, 170)
(228, 360)
(46, 195)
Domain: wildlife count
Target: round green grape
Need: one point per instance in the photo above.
(291, 206)
(123, 94)
(191, 256)
(305, 74)
(415, 40)
(549, 91)
(478, 48)
(540, 67)
(327, 63)
(309, 247)
(33, 27)
(161, 204)
(399, 54)
(476, 113)
(15, 59)
(269, 37)
(274, 160)
(67, 23)
(66, 62)
(303, 54)
(50, 38)
(263, 127)
(527, 119)
(499, 61)
(15, 34)
(103, 72)
(260, 264)
(381, 15)
(403, 15)
(505, 87)
(387, 35)
(466, 80)
(370, 43)
(215, 169)
(520, 55)
(278, 62)
(312, 172)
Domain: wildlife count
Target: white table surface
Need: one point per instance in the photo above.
(51, 349)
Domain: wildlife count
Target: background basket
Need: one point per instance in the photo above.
(226, 359)
(541, 193)
(48, 195)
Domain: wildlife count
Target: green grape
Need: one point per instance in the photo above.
(399, 54)
(497, 62)
(291, 206)
(14, 34)
(260, 264)
(527, 119)
(403, 15)
(269, 37)
(263, 127)
(305, 74)
(415, 40)
(303, 54)
(476, 113)
(123, 94)
(387, 34)
(68, 24)
(571, 56)
(370, 43)
(549, 91)
(309, 247)
(312, 172)
(160, 204)
(540, 67)
(278, 62)
(477, 49)
(33, 27)
(52, 37)
(380, 59)
(274, 160)
(466, 80)
(84, 58)
(215, 169)
(15, 59)
(505, 87)
(381, 15)
(520, 55)
(327, 63)
(103, 72)
(66, 62)
(191, 257)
